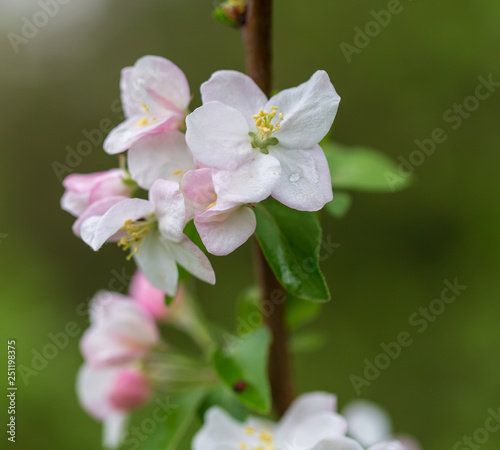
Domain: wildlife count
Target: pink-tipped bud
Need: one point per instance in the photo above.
(149, 298)
(130, 390)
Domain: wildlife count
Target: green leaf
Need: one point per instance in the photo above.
(178, 414)
(299, 312)
(363, 169)
(290, 241)
(224, 397)
(243, 368)
(340, 204)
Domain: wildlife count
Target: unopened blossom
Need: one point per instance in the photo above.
(151, 299)
(371, 425)
(155, 96)
(109, 394)
(310, 421)
(223, 226)
(82, 190)
(120, 331)
(260, 147)
(159, 156)
(152, 230)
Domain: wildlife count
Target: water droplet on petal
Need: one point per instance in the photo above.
(294, 177)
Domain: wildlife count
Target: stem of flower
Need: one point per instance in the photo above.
(257, 34)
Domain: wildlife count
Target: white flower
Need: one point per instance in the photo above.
(260, 147)
(155, 96)
(309, 421)
(369, 424)
(153, 231)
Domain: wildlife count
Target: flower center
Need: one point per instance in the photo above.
(265, 128)
(136, 232)
(261, 440)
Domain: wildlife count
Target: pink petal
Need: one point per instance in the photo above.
(149, 298)
(198, 187)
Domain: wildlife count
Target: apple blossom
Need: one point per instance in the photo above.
(259, 147)
(369, 424)
(155, 96)
(310, 420)
(153, 231)
(82, 190)
(223, 226)
(120, 331)
(109, 394)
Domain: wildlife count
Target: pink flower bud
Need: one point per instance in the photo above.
(149, 298)
(120, 331)
(84, 190)
(130, 390)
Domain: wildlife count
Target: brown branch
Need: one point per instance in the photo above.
(280, 374)
(257, 37)
(257, 33)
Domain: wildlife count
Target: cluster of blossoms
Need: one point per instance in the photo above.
(311, 423)
(123, 333)
(210, 166)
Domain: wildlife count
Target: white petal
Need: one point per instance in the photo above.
(169, 208)
(74, 203)
(219, 432)
(114, 429)
(131, 130)
(156, 262)
(93, 387)
(368, 422)
(218, 136)
(308, 111)
(304, 407)
(226, 232)
(318, 427)
(408, 442)
(251, 183)
(97, 230)
(392, 445)
(189, 256)
(234, 89)
(159, 156)
(340, 443)
(305, 182)
(98, 208)
(131, 105)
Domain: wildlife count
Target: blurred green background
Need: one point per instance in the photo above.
(395, 250)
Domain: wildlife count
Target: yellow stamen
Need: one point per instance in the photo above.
(143, 122)
(176, 172)
(263, 122)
